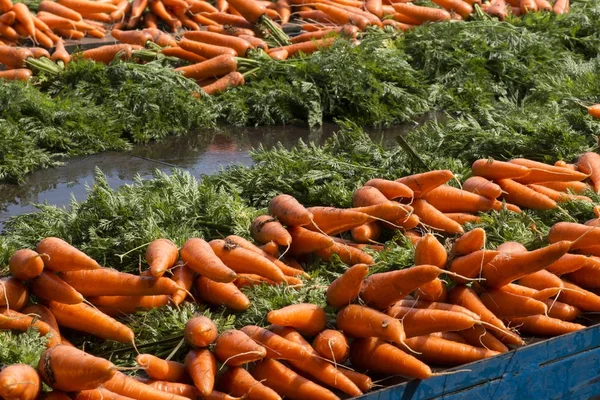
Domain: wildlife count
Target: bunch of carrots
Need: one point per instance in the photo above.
(457, 304)
(215, 36)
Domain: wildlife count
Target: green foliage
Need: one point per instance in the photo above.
(24, 348)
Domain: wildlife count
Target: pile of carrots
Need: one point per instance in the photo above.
(402, 322)
(216, 35)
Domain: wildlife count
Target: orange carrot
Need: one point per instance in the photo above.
(50, 287)
(161, 255)
(13, 320)
(521, 195)
(530, 292)
(435, 306)
(504, 269)
(221, 294)
(541, 280)
(118, 305)
(276, 346)
(583, 236)
(69, 33)
(201, 365)
(5, 6)
(287, 383)
(368, 196)
(471, 265)
(109, 282)
(127, 386)
(483, 187)
(419, 322)
(206, 50)
(24, 17)
(229, 30)
(469, 242)
(477, 336)
(561, 6)
(234, 348)
(494, 170)
(7, 18)
(217, 66)
(449, 199)
(345, 289)
(25, 264)
(14, 57)
(366, 233)
(89, 6)
(343, 16)
(240, 382)
(561, 186)
(232, 79)
(181, 54)
(137, 8)
(430, 251)
(251, 10)
(589, 164)
(200, 331)
(466, 297)
(238, 44)
(540, 325)
(243, 260)
(391, 189)
(55, 395)
(332, 221)
(60, 53)
(332, 345)
(444, 352)
(363, 322)
(87, 319)
(99, 393)
(271, 248)
(184, 277)
(380, 357)
(347, 254)
(308, 319)
(289, 211)
(579, 297)
(159, 369)
(432, 217)
(432, 291)
(504, 304)
(305, 241)
(227, 19)
(462, 8)
(556, 195)
(422, 13)
(265, 229)
(383, 289)
(200, 257)
(13, 294)
(562, 311)
(70, 369)
(540, 172)
(44, 315)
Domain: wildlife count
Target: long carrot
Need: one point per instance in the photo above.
(44, 315)
(234, 348)
(217, 66)
(200, 257)
(462, 218)
(127, 386)
(449, 199)
(504, 304)
(383, 289)
(182, 54)
(50, 287)
(430, 251)
(418, 322)
(583, 236)
(332, 221)
(201, 365)
(556, 195)
(521, 195)
(240, 45)
(462, 8)
(493, 170)
(23, 15)
(240, 382)
(342, 16)
(161, 255)
(287, 383)
(408, 303)
(440, 351)
(366, 233)
(19, 381)
(119, 305)
(422, 13)
(231, 80)
(504, 269)
(160, 369)
(308, 319)
(541, 280)
(7, 18)
(243, 260)
(378, 356)
(347, 254)
(469, 242)
(184, 277)
(13, 293)
(265, 229)
(200, 331)
(345, 289)
(478, 336)
(305, 241)
(227, 19)
(561, 186)
(482, 187)
(562, 311)
(99, 393)
(14, 57)
(221, 294)
(89, 6)
(363, 322)
(540, 325)
(368, 196)
(530, 292)
(13, 320)
(60, 53)
(87, 319)
(137, 8)
(432, 217)
(70, 369)
(589, 164)
(579, 297)
(540, 172)
(109, 282)
(276, 346)
(25, 264)
(332, 345)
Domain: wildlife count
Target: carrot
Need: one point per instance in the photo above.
(265, 229)
(7, 18)
(308, 36)
(432, 217)
(305, 241)
(60, 53)
(14, 57)
(462, 218)
(528, 6)
(139, 38)
(505, 269)
(25, 264)
(69, 33)
(449, 199)
(180, 389)
(96, 18)
(201, 365)
(232, 79)
(477, 336)
(569, 263)
(227, 19)
(562, 311)
(9, 34)
(229, 30)
(332, 221)
(406, 303)
(430, 251)
(234, 348)
(51, 287)
(439, 351)
(161, 254)
(124, 7)
(184, 277)
(199, 256)
(239, 45)
(466, 297)
(432, 291)
(332, 345)
(160, 369)
(579, 297)
(493, 170)
(540, 325)
(24, 17)
(521, 195)
(562, 186)
(589, 164)
(366, 233)
(216, 66)
(462, 8)
(13, 320)
(255, 42)
(530, 292)
(541, 280)
(303, 47)
(543, 5)
(89, 6)
(540, 172)
(363, 322)
(182, 54)
(345, 289)
(389, 211)
(99, 394)
(109, 282)
(587, 276)
(276, 346)
(561, 6)
(69, 369)
(422, 13)
(221, 294)
(87, 319)
(118, 305)
(19, 381)
(380, 357)
(483, 187)
(308, 319)
(271, 248)
(556, 195)
(419, 322)
(137, 8)
(201, 6)
(239, 382)
(471, 265)
(583, 236)
(342, 16)
(5, 6)
(243, 260)
(44, 315)
(375, 7)
(368, 196)
(200, 331)
(206, 50)
(55, 395)
(504, 304)
(127, 386)
(469, 242)
(391, 189)
(347, 254)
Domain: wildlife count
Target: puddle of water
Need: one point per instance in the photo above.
(199, 153)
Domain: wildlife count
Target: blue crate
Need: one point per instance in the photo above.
(564, 367)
